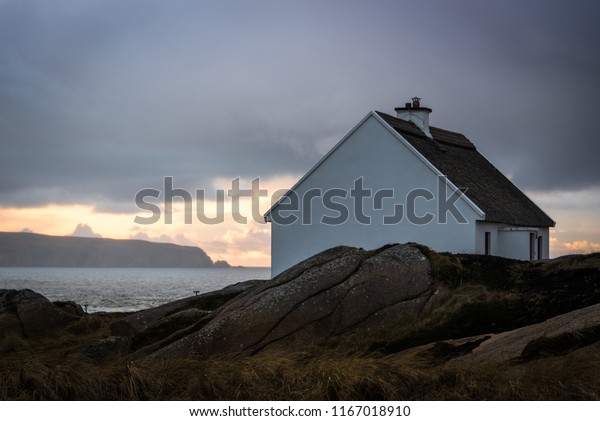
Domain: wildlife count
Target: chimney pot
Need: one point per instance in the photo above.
(414, 113)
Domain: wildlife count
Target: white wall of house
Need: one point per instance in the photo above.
(512, 242)
(372, 152)
(515, 242)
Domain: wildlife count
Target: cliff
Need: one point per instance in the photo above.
(35, 250)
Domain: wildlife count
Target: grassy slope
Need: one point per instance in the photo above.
(487, 295)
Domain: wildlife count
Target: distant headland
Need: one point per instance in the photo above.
(22, 249)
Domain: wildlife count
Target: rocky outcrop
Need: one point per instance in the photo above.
(152, 325)
(27, 313)
(107, 349)
(515, 343)
(70, 307)
(9, 325)
(556, 336)
(341, 290)
(346, 290)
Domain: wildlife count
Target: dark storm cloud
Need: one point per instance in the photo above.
(534, 94)
(99, 99)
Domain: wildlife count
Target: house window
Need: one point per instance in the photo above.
(539, 248)
(531, 246)
(488, 243)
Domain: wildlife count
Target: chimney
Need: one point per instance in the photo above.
(416, 114)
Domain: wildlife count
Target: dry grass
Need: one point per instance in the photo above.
(573, 261)
(53, 369)
(573, 377)
(302, 376)
(316, 375)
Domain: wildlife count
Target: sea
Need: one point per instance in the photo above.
(124, 289)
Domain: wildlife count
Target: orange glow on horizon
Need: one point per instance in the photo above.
(240, 245)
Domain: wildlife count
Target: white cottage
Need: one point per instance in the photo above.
(397, 179)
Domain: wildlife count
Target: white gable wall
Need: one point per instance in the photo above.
(372, 152)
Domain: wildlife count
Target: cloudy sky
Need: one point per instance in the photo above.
(100, 99)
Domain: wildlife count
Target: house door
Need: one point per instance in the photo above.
(488, 243)
(531, 246)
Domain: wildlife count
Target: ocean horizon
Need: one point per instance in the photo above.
(124, 289)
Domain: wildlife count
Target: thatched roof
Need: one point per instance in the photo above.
(457, 158)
